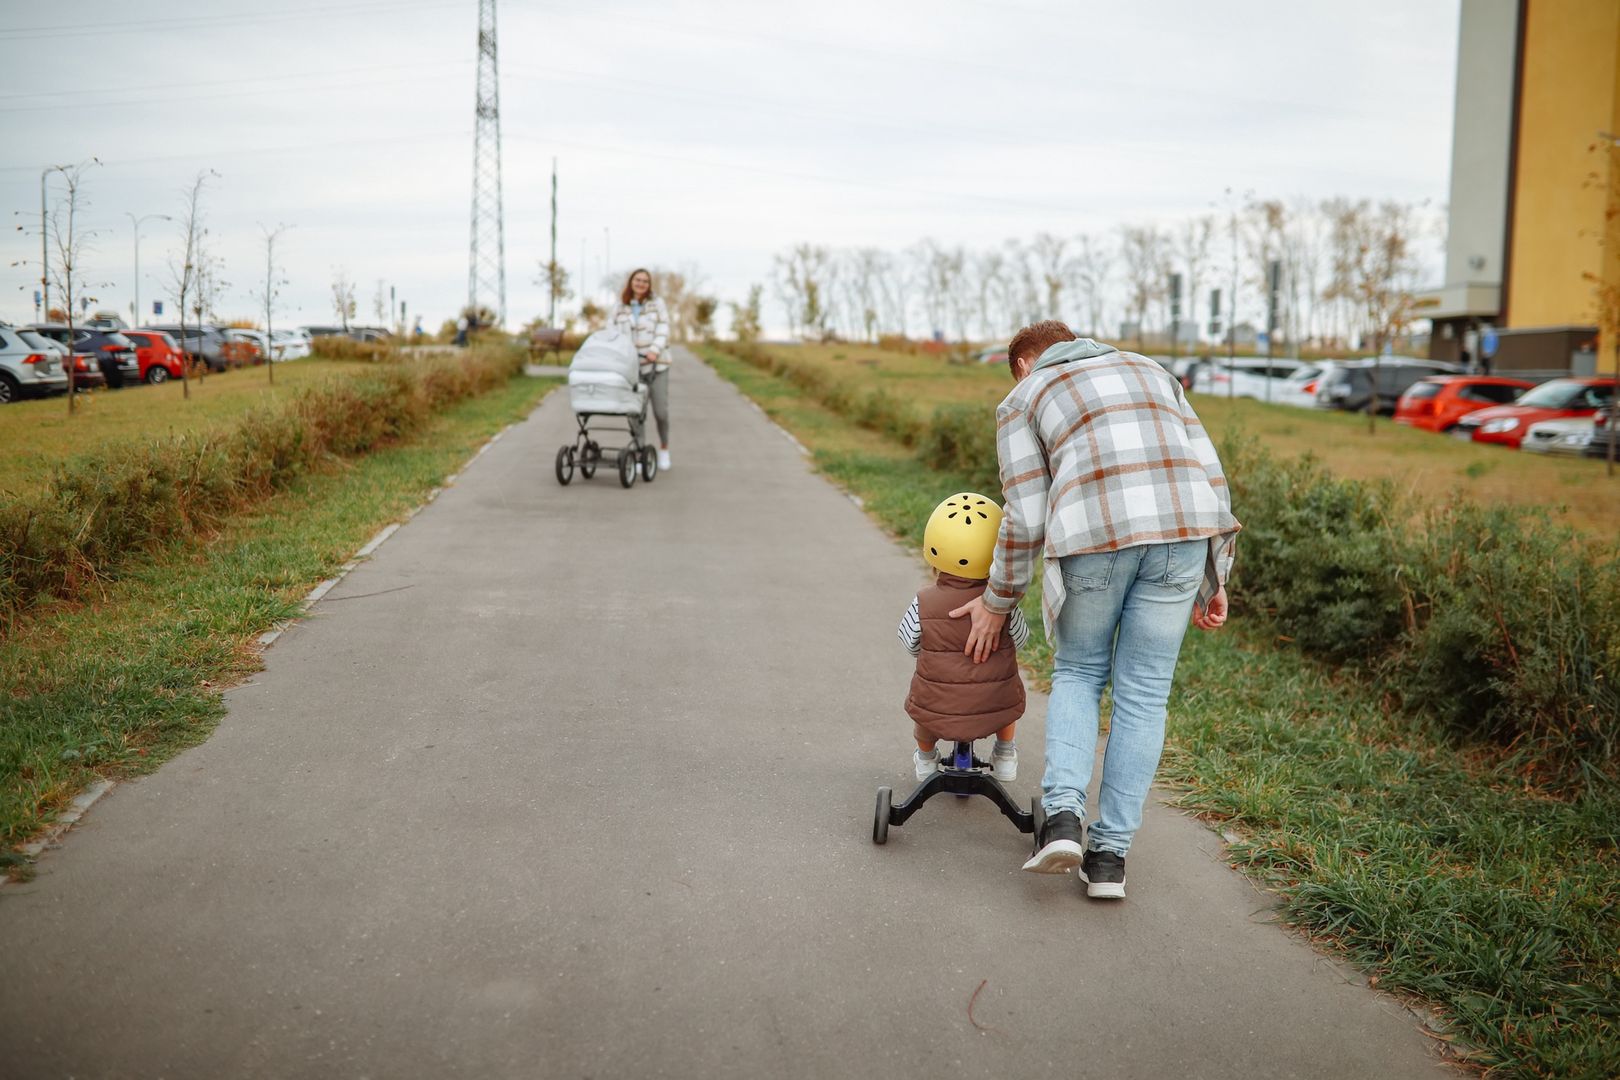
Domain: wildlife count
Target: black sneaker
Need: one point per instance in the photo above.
(1104, 875)
(1058, 845)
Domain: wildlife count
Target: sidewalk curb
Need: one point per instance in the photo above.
(53, 833)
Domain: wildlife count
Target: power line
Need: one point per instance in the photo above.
(212, 153)
(227, 20)
(289, 77)
(216, 96)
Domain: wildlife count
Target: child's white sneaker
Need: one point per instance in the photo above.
(663, 461)
(1004, 763)
(927, 764)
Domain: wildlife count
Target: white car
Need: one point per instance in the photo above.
(289, 344)
(29, 366)
(1569, 436)
(1300, 388)
(1246, 377)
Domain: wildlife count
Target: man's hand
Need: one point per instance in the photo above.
(1212, 617)
(986, 632)
(651, 355)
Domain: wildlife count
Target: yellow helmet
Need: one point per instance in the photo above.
(961, 535)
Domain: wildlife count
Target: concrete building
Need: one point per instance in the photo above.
(1535, 187)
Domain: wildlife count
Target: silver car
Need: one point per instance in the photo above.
(30, 366)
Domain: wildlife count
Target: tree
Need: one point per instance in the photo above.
(554, 278)
(1375, 271)
(1142, 249)
(1192, 245)
(745, 318)
(71, 241)
(183, 275)
(380, 303)
(268, 295)
(1092, 270)
(703, 312)
(801, 282)
(594, 314)
(343, 305)
(1047, 251)
(1606, 289)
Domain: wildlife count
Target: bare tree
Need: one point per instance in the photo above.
(1606, 293)
(801, 283)
(746, 318)
(183, 275)
(867, 266)
(343, 304)
(1192, 246)
(1142, 249)
(71, 241)
(678, 290)
(379, 302)
(555, 279)
(990, 280)
(1092, 269)
(1048, 252)
(1377, 273)
(273, 281)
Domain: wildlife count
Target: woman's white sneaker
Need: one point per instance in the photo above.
(663, 461)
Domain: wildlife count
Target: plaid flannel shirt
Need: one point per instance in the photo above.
(1098, 454)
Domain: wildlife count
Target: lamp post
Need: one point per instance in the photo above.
(136, 221)
(44, 244)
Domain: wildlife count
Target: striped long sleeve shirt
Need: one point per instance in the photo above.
(1100, 450)
(910, 631)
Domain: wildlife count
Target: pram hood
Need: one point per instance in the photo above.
(610, 351)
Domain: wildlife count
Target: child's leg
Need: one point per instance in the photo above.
(1004, 756)
(1006, 733)
(927, 745)
(926, 758)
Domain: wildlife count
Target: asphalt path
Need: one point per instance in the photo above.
(578, 782)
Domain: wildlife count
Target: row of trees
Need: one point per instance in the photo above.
(1345, 271)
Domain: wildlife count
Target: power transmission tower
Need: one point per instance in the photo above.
(486, 270)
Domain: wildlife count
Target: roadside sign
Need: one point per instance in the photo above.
(1488, 341)
(157, 307)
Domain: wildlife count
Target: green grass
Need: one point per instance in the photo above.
(1575, 491)
(116, 687)
(38, 433)
(1436, 870)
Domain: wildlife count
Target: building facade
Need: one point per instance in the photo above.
(1533, 246)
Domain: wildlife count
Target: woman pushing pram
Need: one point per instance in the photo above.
(644, 317)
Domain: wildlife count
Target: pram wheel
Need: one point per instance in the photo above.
(565, 465)
(880, 818)
(627, 467)
(649, 463)
(588, 459)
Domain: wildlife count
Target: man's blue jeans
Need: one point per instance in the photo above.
(1123, 619)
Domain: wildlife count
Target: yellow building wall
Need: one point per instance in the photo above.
(1570, 93)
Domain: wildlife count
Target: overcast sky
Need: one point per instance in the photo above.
(709, 134)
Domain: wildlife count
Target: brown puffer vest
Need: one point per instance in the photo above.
(951, 696)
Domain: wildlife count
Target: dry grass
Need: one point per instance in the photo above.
(1433, 468)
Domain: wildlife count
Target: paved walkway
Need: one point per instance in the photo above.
(577, 782)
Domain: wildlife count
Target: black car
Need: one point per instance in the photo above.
(203, 343)
(110, 352)
(1349, 386)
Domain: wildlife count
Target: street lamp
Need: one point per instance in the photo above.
(136, 221)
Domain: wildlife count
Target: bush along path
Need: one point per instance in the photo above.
(130, 669)
(1402, 832)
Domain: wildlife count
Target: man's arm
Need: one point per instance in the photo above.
(1222, 547)
(1024, 484)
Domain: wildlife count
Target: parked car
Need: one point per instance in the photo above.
(995, 355)
(1604, 428)
(1249, 377)
(1439, 401)
(1185, 369)
(1300, 387)
(205, 344)
(160, 358)
(110, 352)
(245, 346)
(324, 331)
(1558, 437)
(1349, 385)
(369, 333)
(29, 367)
(289, 345)
(1559, 399)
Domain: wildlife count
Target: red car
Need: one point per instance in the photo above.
(160, 357)
(1438, 402)
(1559, 399)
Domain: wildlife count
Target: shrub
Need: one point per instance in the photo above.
(338, 347)
(1501, 625)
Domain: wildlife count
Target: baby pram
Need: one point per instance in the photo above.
(605, 380)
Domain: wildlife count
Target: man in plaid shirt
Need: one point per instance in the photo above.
(1110, 476)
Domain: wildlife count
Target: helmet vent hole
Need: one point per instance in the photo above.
(951, 515)
(984, 515)
(934, 552)
(961, 562)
